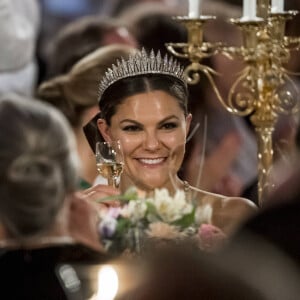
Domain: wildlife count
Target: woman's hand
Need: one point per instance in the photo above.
(83, 221)
(86, 206)
(100, 194)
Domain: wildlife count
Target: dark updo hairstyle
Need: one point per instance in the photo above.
(127, 87)
(38, 165)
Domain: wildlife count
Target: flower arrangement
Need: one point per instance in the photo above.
(160, 216)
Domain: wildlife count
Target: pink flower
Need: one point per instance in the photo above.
(114, 212)
(211, 237)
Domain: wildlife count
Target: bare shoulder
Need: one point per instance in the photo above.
(239, 202)
(228, 212)
(204, 197)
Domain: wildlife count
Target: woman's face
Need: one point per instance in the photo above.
(152, 129)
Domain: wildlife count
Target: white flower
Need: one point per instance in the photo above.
(181, 204)
(203, 214)
(168, 208)
(135, 210)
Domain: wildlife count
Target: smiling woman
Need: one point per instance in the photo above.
(150, 125)
(143, 103)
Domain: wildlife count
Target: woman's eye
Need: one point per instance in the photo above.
(131, 128)
(170, 125)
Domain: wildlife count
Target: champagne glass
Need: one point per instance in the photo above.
(110, 161)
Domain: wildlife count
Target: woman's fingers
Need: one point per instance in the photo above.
(104, 194)
(83, 221)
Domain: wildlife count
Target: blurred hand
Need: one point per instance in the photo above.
(83, 221)
(98, 193)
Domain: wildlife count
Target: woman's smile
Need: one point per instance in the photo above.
(151, 161)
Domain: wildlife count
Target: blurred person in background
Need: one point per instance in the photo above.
(19, 29)
(43, 222)
(252, 270)
(80, 37)
(278, 221)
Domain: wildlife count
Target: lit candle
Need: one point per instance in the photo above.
(194, 8)
(108, 283)
(249, 9)
(277, 6)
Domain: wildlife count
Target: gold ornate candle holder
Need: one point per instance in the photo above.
(260, 90)
(195, 49)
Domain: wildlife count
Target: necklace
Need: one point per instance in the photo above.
(188, 192)
(186, 186)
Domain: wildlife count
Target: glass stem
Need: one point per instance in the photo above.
(111, 181)
(115, 182)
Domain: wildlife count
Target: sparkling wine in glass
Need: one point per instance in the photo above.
(110, 161)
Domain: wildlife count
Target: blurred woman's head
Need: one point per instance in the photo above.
(38, 165)
(77, 91)
(80, 38)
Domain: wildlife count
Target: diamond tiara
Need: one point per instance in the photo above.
(141, 63)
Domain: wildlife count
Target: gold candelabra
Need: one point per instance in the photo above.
(260, 90)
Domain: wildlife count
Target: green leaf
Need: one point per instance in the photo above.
(186, 221)
(122, 226)
(151, 209)
(130, 194)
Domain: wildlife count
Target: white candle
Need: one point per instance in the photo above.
(194, 8)
(277, 6)
(249, 9)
